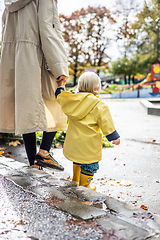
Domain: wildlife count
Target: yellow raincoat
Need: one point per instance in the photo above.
(88, 117)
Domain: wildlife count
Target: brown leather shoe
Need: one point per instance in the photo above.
(47, 161)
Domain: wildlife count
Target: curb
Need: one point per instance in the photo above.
(148, 104)
(124, 219)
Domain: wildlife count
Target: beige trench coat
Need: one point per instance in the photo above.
(32, 57)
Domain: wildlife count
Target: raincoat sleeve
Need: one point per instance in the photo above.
(106, 124)
(58, 91)
(51, 38)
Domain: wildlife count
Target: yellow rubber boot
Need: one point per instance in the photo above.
(85, 181)
(76, 173)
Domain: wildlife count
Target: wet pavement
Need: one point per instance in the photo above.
(36, 204)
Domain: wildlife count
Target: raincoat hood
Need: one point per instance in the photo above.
(15, 5)
(77, 106)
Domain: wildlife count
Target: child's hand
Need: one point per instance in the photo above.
(116, 142)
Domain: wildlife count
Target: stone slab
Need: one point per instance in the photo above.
(80, 210)
(23, 181)
(4, 160)
(33, 172)
(48, 192)
(119, 207)
(121, 229)
(151, 108)
(63, 183)
(14, 164)
(88, 194)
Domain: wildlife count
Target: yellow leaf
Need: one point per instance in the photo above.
(2, 148)
(1, 152)
(125, 183)
(87, 202)
(15, 143)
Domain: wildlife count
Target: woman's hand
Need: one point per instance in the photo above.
(61, 81)
(116, 142)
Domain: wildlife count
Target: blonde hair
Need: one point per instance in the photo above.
(89, 82)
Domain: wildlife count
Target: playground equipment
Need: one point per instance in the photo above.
(138, 90)
(147, 79)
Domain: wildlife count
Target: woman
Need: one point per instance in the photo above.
(33, 57)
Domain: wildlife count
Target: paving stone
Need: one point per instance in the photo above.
(88, 194)
(119, 207)
(6, 160)
(121, 229)
(14, 164)
(48, 192)
(33, 172)
(23, 181)
(53, 181)
(80, 210)
(134, 215)
(4, 171)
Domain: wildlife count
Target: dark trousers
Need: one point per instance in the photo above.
(29, 140)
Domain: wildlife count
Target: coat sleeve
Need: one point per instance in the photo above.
(16, 5)
(51, 38)
(106, 124)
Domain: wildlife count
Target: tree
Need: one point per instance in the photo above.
(142, 45)
(145, 28)
(86, 35)
(125, 67)
(126, 11)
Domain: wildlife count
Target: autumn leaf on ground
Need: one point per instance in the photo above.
(114, 182)
(69, 178)
(125, 183)
(1, 152)
(14, 143)
(144, 207)
(2, 148)
(9, 155)
(87, 202)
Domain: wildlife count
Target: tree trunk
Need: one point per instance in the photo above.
(129, 79)
(75, 75)
(125, 79)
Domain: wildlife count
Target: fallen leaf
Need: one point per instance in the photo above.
(1, 152)
(126, 184)
(9, 155)
(87, 202)
(14, 143)
(2, 148)
(144, 207)
(121, 183)
(69, 178)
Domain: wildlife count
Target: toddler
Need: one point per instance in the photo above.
(89, 117)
